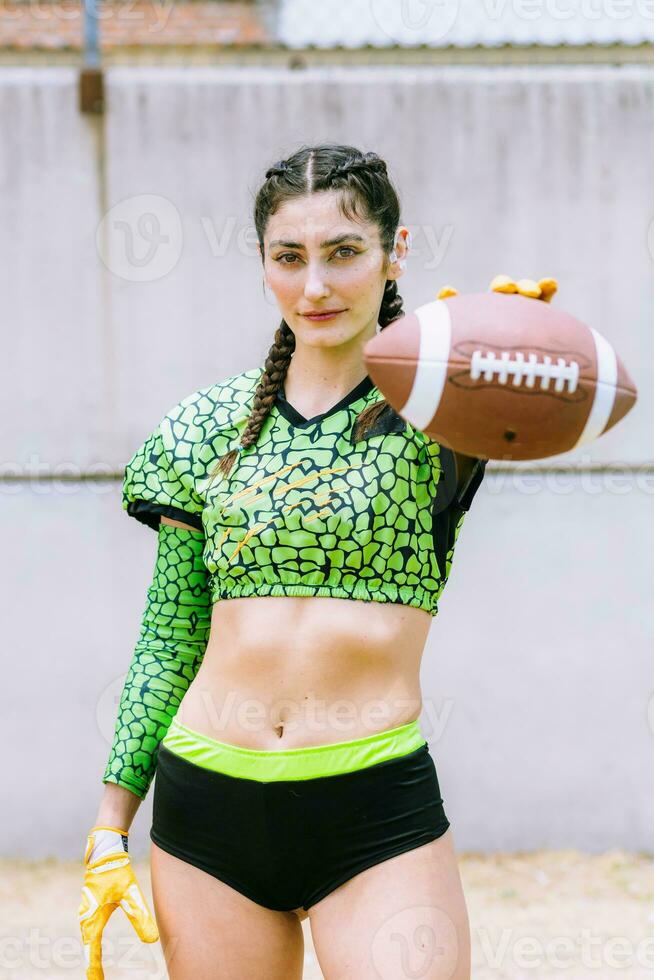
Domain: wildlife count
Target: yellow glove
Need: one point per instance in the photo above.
(109, 882)
(543, 289)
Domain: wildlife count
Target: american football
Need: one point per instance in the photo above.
(500, 376)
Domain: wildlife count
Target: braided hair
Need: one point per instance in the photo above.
(367, 193)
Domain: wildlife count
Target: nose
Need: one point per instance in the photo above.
(315, 286)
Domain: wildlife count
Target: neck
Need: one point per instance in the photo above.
(328, 371)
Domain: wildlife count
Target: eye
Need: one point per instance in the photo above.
(293, 256)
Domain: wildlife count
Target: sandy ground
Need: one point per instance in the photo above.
(539, 915)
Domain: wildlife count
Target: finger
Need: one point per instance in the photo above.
(529, 287)
(93, 959)
(93, 919)
(93, 916)
(503, 284)
(547, 288)
(135, 908)
(446, 291)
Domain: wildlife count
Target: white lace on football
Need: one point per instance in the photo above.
(525, 369)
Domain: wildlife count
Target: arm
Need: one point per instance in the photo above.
(170, 648)
(158, 490)
(469, 474)
(459, 482)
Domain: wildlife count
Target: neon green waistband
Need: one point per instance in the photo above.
(308, 762)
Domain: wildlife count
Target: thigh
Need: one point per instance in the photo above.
(405, 917)
(210, 931)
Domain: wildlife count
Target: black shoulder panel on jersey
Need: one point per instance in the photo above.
(469, 489)
(388, 421)
(148, 512)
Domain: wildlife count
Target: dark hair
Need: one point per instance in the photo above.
(367, 193)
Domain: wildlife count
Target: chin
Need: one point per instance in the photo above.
(328, 330)
(313, 341)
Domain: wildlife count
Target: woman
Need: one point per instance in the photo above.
(305, 534)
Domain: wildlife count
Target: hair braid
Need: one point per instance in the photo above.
(364, 179)
(391, 309)
(358, 163)
(272, 379)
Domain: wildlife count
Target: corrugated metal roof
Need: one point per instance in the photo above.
(463, 23)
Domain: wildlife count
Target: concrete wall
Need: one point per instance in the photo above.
(129, 278)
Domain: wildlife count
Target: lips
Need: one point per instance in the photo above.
(323, 315)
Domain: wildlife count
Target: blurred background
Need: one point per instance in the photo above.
(520, 136)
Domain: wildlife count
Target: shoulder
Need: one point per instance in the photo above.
(456, 476)
(165, 474)
(219, 402)
(210, 412)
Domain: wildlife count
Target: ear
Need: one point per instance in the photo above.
(402, 245)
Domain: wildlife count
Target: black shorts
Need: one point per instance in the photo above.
(286, 844)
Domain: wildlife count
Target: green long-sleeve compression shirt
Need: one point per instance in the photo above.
(171, 644)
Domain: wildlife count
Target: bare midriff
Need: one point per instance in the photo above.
(287, 671)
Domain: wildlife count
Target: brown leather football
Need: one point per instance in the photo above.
(500, 376)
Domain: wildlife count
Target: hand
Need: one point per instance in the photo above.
(544, 289)
(109, 882)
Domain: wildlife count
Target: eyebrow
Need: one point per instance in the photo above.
(326, 244)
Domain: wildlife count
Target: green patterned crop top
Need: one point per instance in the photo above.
(305, 511)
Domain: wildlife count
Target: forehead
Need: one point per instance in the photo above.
(313, 218)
